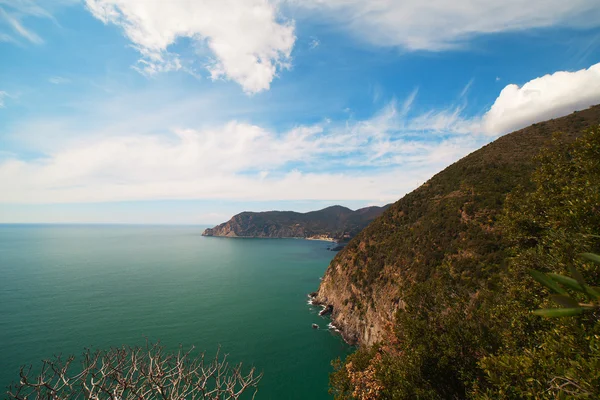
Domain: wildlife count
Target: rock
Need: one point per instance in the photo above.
(326, 310)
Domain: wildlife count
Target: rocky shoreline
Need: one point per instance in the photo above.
(327, 310)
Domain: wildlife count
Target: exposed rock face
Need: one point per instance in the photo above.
(365, 326)
(450, 220)
(334, 223)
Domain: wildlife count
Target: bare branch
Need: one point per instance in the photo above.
(129, 373)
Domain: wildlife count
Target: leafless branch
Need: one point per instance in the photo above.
(128, 373)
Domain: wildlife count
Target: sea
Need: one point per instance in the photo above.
(64, 288)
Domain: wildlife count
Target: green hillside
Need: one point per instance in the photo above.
(429, 288)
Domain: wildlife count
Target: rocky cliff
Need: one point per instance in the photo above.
(449, 221)
(336, 222)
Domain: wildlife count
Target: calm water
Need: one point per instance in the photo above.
(63, 288)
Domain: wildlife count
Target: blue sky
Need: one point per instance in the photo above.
(129, 111)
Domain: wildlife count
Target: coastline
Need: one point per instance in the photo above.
(322, 239)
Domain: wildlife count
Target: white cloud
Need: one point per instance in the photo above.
(382, 157)
(237, 161)
(542, 98)
(249, 41)
(550, 96)
(445, 24)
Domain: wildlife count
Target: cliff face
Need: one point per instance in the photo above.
(362, 318)
(334, 222)
(450, 221)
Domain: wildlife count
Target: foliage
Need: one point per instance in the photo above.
(465, 327)
(546, 229)
(136, 373)
(358, 380)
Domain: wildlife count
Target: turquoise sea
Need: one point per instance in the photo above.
(66, 287)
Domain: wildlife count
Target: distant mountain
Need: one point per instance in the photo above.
(335, 222)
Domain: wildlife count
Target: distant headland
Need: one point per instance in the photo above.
(335, 223)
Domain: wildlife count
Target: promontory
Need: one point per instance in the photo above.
(336, 223)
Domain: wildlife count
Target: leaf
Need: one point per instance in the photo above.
(564, 301)
(593, 292)
(591, 257)
(588, 290)
(546, 281)
(565, 280)
(558, 312)
(577, 275)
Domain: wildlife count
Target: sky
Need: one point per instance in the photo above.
(188, 112)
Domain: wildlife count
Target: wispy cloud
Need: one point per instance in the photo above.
(32, 7)
(7, 38)
(446, 24)
(378, 158)
(466, 89)
(59, 80)
(13, 21)
(237, 161)
(448, 120)
(16, 17)
(3, 95)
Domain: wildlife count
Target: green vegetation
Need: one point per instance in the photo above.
(461, 248)
(546, 229)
